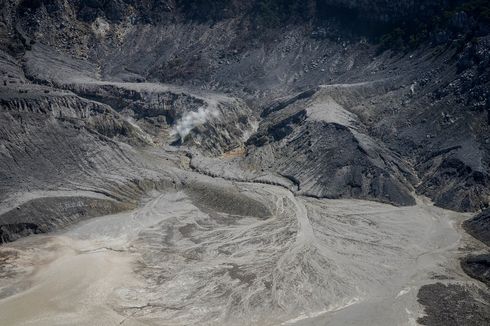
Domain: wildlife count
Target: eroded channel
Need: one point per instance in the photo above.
(232, 254)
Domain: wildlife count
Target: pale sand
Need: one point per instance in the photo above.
(73, 289)
(331, 262)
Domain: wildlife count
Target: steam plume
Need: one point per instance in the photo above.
(193, 119)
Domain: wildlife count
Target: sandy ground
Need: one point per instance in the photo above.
(176, 261)
(73, 289)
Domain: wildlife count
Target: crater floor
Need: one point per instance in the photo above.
(185, 257)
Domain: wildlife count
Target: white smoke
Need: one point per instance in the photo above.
(193, 119)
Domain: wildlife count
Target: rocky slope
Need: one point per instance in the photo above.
(53, 140)
(325, 150)
(479, 226)
(102, 102)
(408, 122)
(381, 127)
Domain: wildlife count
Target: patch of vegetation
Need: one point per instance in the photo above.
(25, 5)
(404, 35)
(480, 9)
(266, 13)
(205, 10)
(410, 35)
(272, 13)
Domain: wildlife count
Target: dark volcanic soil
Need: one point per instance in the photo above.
(454, 305)
(479, 226)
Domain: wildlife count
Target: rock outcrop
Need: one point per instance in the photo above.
(325, 150)
(479, 226)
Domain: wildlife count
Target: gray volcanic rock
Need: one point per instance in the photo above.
(322, 147)
(477, 267)
(50, 126)
(42, 215)
(384, 155)
(479, 226)
(400, 128)
(54, 140)
(454, 305)
(216, 130)
(217, 57)
(446, 179)
(212, 121)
